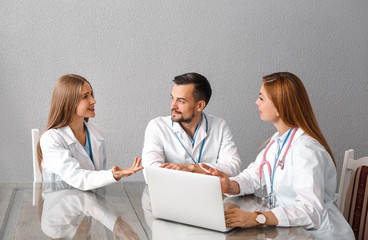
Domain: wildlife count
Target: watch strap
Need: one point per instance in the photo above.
(258, 223)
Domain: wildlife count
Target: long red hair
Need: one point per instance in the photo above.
(291, 100)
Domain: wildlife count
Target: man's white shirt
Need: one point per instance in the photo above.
(162, 145)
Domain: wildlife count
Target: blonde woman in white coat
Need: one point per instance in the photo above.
(300, 188)
(71, 149)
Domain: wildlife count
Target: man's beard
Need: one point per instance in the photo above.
(182, 119)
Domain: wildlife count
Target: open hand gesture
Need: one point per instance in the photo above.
(122, 172)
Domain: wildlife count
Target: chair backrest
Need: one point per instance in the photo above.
(37, 176)
(356, 209)
(349, 166)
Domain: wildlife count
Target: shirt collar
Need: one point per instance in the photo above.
(202, 133)
(277, 138)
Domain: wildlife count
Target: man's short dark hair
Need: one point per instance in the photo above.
(202, 88)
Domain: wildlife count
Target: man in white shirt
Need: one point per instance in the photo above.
(189, 136)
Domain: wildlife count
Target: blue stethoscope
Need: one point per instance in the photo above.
(280, 163)
(200, 152)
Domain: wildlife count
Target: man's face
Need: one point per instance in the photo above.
(183, 105)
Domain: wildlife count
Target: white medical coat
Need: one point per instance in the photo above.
(162, 146)
(64, 159)
(305, 188)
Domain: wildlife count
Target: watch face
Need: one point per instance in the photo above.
(261, 219)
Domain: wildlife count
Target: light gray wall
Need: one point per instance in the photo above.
(131, 50)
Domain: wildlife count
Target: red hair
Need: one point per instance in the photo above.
(291, 100)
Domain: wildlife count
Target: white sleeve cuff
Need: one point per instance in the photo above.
(110, 176)
(281, 216)
(240, 188)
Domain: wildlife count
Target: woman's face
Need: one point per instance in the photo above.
(267, 109)
(86, 105)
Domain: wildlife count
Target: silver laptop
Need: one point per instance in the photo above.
(185, 197)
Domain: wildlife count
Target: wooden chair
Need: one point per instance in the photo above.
(37, 176)
(353, 193)
(349, 166)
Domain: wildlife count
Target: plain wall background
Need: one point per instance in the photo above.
(131, 50)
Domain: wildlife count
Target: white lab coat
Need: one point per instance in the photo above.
(162, 146)
(64, 159)
(305, 188)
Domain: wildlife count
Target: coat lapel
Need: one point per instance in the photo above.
(72, 142)
(96, 141)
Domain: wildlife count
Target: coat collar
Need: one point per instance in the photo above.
(68, 135)
(71, 139)
(95, 138)
(298, 133)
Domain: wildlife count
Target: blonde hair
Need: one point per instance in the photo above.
(64, 101)
(291, 100)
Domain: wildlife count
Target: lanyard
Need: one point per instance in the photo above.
(89, 144)
(200, 153)
(281, 162)
(278, 155)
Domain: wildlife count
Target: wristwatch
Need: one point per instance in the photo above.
(260, 219)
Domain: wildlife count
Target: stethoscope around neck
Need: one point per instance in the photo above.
(200, 152)
(280, 162)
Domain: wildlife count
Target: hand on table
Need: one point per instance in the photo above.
(176, 166)
(195, 168)
(235, 217)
